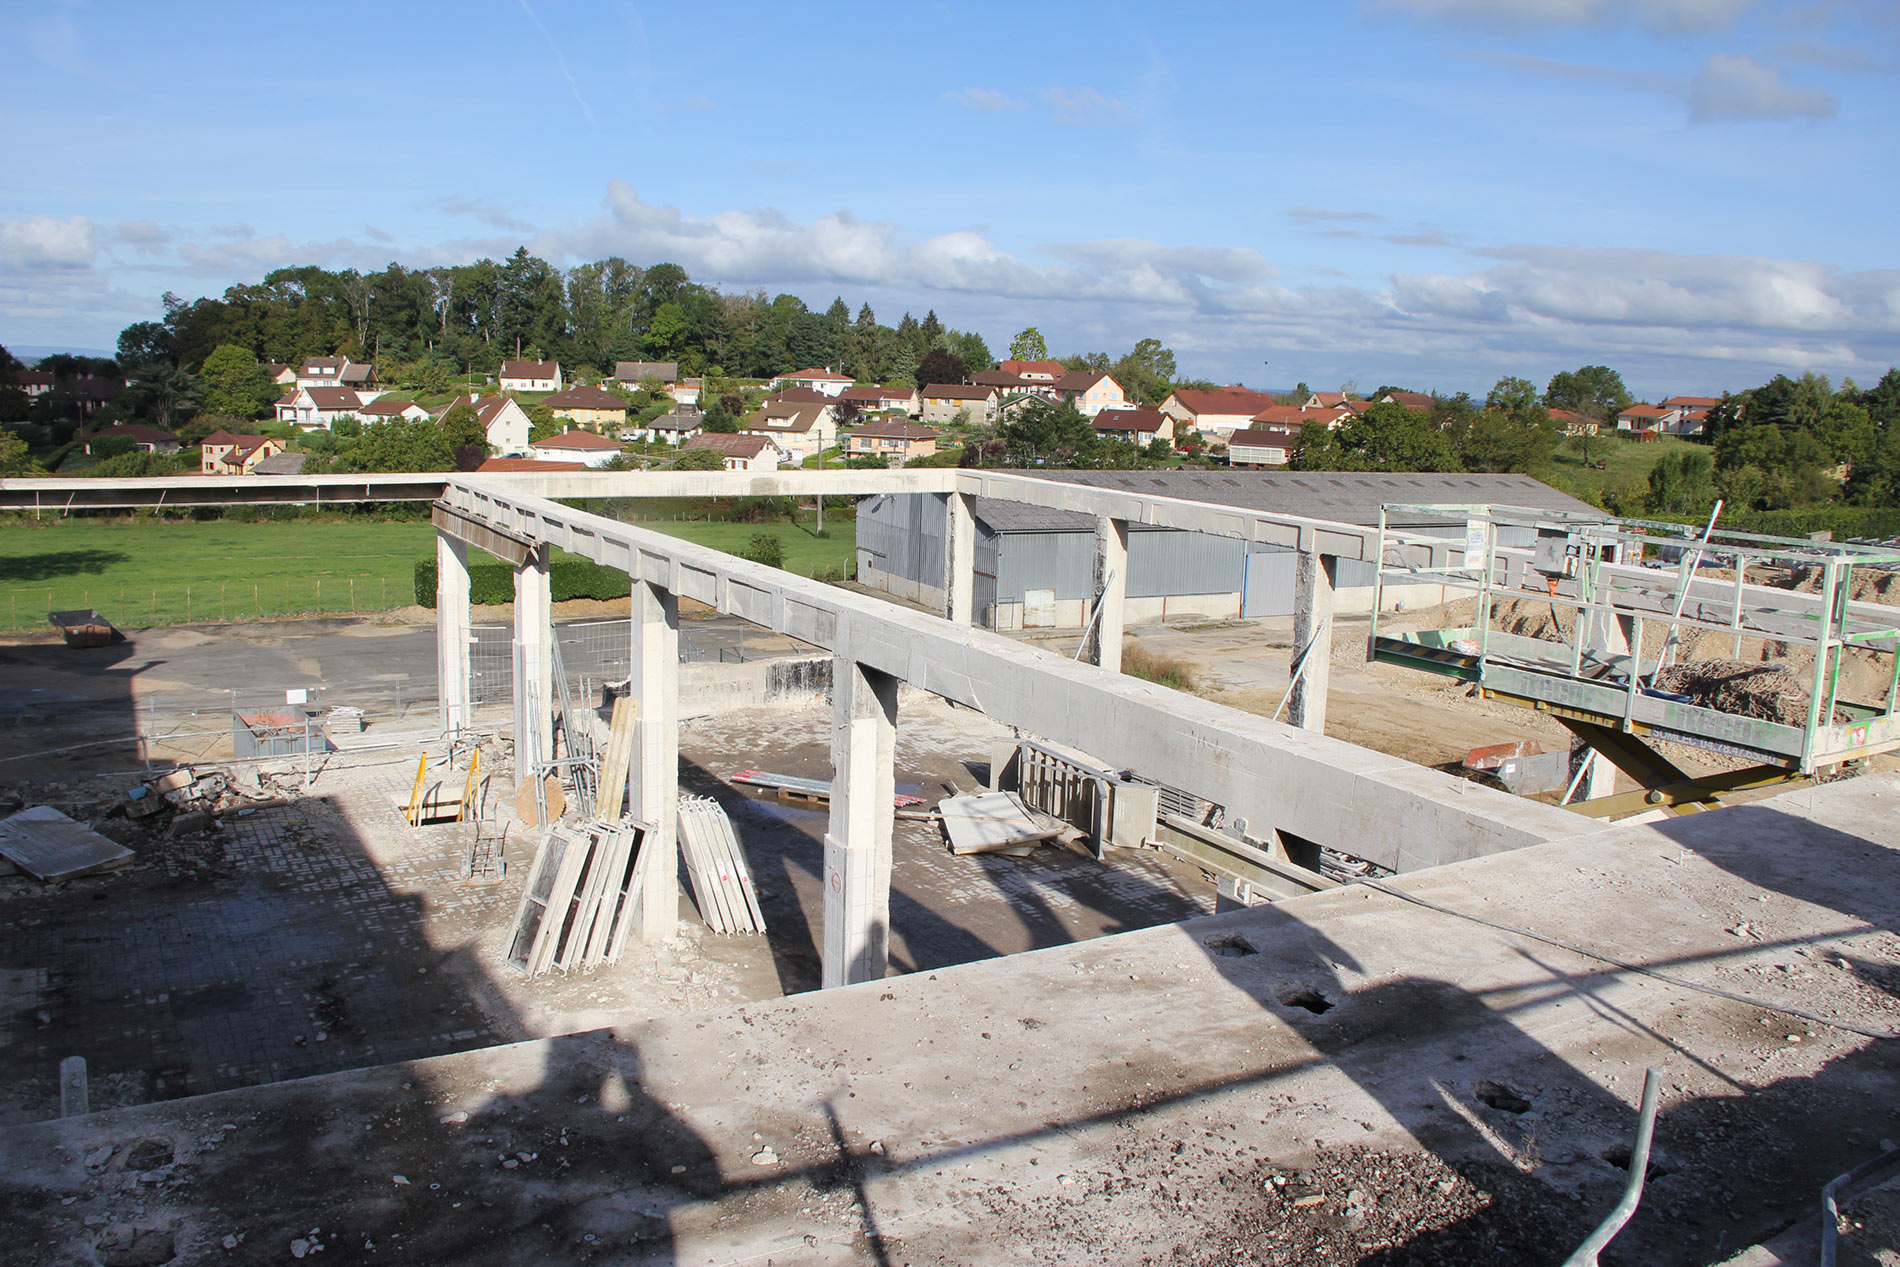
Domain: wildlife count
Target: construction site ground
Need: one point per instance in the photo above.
(1351, 1077)
(314, 933)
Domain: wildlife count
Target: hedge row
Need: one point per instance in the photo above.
(493, 583)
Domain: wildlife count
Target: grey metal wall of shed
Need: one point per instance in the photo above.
(904, 534)
(1161, 563)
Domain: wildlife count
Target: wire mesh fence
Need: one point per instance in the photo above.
(25, 607)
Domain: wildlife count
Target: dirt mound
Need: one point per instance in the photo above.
(1741, 687)
(1867, 585)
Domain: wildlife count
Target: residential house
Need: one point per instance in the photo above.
(384, 409)
(280, 373)
(795, 396)
(519, 466)
(530, 376)
(1296, 417)
(1417, 402)
(1216, 414)
(675, 428)
(333, 371)
(743, 452)
(575, 446)
(1262, 446)
(1090, 393)
(1692, 414)
(1008, 384)
(686, 391)
(144, 439)
(589, 407)
(507, 423)
(944, 402)
(870, 398)
(1038, 371)
(800, 430)
(1572, 423)
(89, 391)
(226, 453)
(639, 373)
(1645, 418)
(35, 382)
(1137, 426)
(891, 438)
(828, 381)
(319, 408)
(1325, 400)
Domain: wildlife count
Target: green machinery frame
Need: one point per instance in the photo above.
(1632, 587)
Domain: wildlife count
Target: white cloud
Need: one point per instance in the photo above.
(143, 236)
(487, 212)
(746, 247)
(1085, 108)
(1739, 87)
(1658, 15)
(375, 234)
(43, 242)
(983, 100)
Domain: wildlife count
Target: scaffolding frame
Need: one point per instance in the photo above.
(1634, 587)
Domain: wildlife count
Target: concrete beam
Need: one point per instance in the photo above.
(1312, 633)
(451, 633)
(503, 545)
(1103, 646)
(858, 838)
(959, 559)
(1379, 807)
(533, 664)
(656, 767)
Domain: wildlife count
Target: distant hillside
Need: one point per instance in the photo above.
(31, 353)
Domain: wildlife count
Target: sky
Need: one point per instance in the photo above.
(1427, 193)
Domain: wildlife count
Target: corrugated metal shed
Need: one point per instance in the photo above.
(1352, 497)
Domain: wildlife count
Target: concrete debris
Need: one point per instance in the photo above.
(992, 822)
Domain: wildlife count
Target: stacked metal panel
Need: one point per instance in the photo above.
(577, 907)
(722, 883)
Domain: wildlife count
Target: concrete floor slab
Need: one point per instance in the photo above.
(1350, 1072)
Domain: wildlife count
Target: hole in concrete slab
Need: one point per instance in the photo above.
(1306, 997)
(149, 1154)
(1618, 1155)
(1229, 945)
(1505, 1100)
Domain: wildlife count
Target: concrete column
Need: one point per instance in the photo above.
(655, 785)
(1103, 645)
(1312, 615)
(1599, 781)
(959, 559)
(534, 663)
(858, 838)
(451, 633)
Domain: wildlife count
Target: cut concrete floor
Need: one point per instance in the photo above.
(1349, 1077)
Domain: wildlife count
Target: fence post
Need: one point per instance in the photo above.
(352, 596)
(187, 604)
(154, 607)
(385, 603)
(257, 607)
(221, 585)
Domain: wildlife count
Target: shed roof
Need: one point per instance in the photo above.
(1353, 497)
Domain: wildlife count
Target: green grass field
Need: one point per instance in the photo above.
(140, 573)
(804, 553)
(1623, 461)
(145, 572)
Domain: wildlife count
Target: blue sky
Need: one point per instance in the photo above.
(1427, 192)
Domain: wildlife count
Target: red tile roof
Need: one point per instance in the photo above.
(958, 391)
(577, 441)
(491, 465)
(1411, 400)
(1694, 402)
(731, 446)
(815, 375)
(1055, 369)
(1292, 416)
(530, 369)
(894, 429)
(1225, 400)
